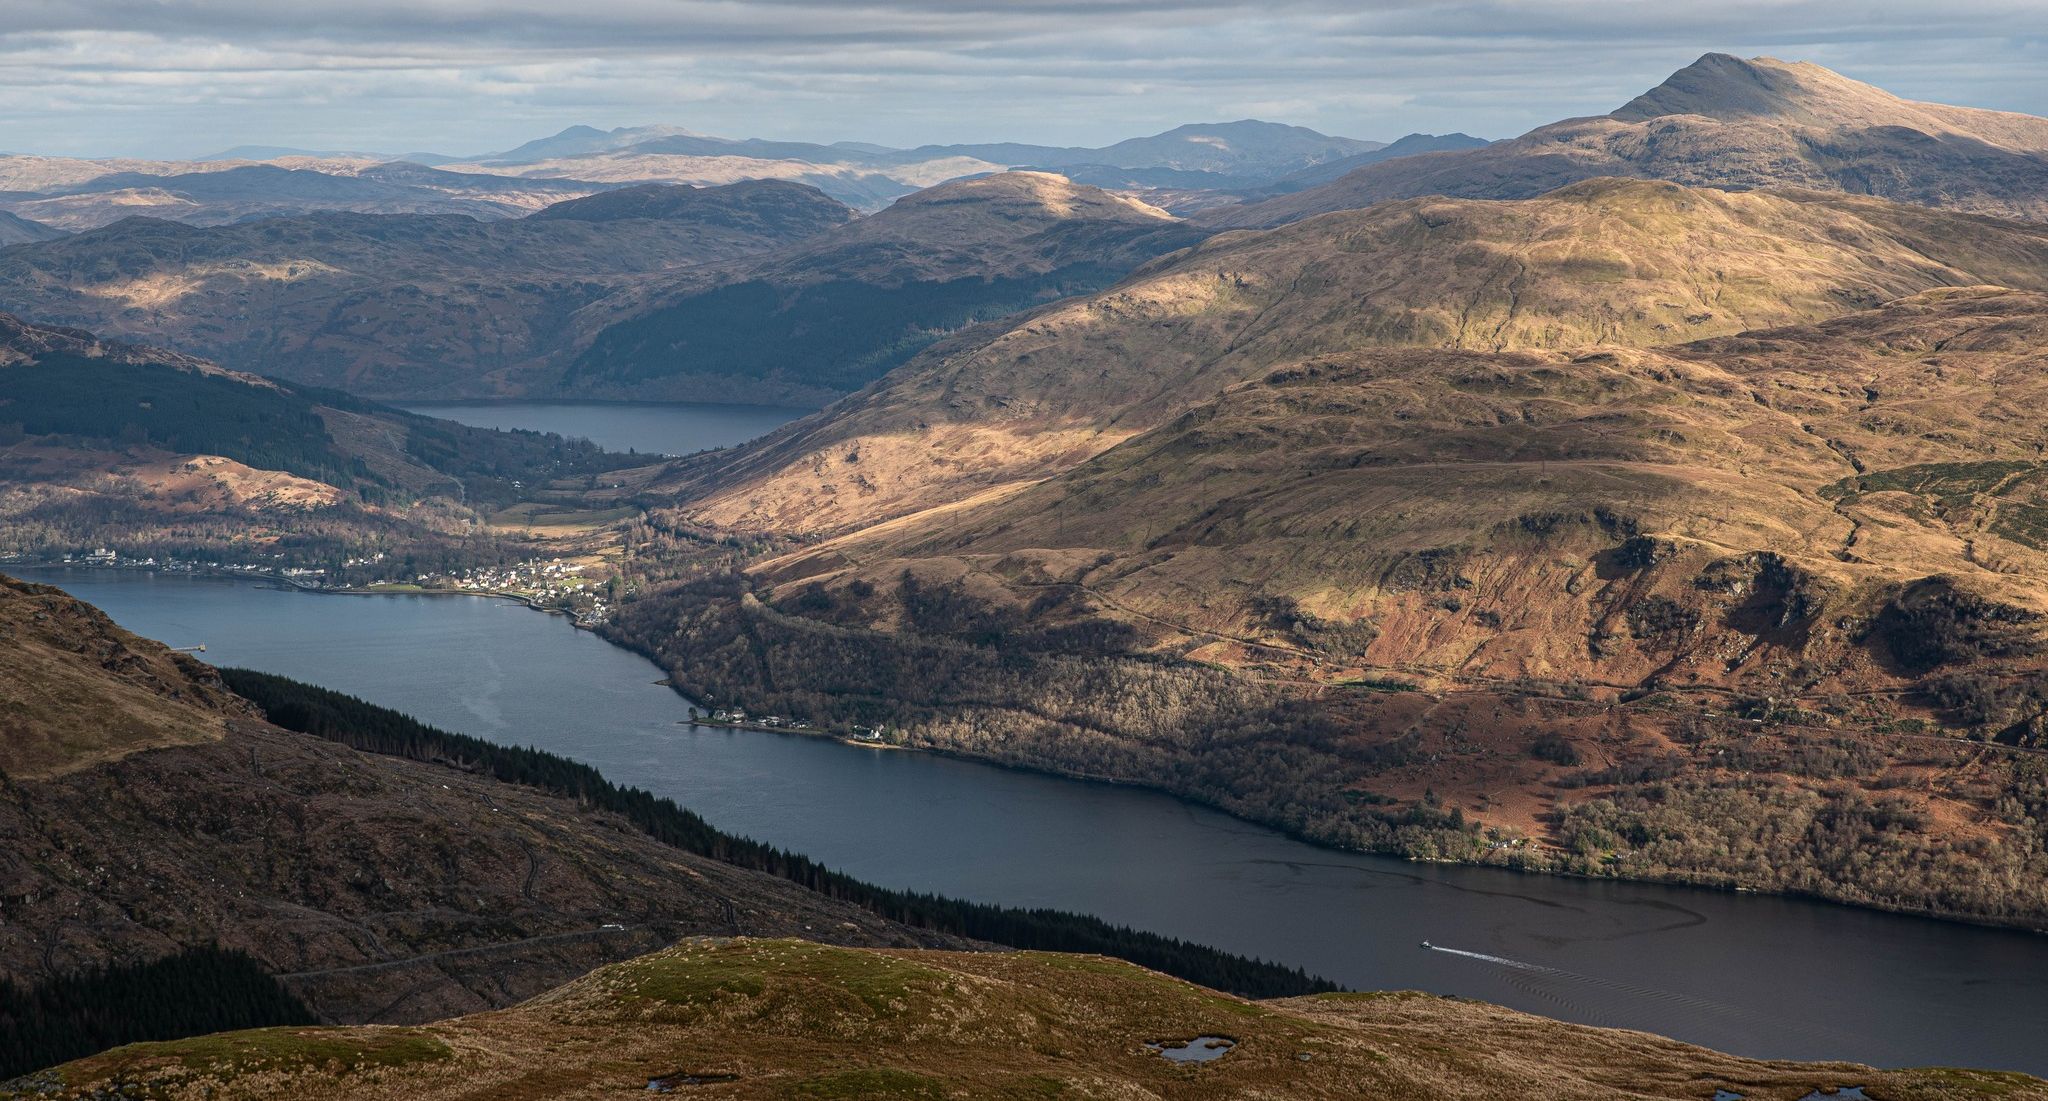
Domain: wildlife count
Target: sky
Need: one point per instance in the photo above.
(180, 78)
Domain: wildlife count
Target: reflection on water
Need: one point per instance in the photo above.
(1201, 1049)
(1757, 975)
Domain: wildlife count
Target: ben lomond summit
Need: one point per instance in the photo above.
(1727, 122)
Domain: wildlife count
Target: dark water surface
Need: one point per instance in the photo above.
(651, 428)
(1755, 975)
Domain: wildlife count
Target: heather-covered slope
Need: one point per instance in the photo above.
(76, 691)
(1761, 611)
(1728, 122)
(1608, 261)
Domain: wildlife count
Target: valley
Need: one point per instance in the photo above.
(1752, 974)
(122, 453)
(1236, 611)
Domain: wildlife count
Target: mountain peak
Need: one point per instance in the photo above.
(1727, 87)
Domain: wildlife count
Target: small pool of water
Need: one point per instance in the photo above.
(669, 1083)
(1201, 1049)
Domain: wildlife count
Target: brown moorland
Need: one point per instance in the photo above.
(1606, 261)
(788, 1019)
(1761, 611)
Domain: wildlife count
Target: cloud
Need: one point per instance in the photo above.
(178, 77)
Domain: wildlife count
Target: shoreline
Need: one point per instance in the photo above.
(803, 731)
(2021, 926)
(2029, 927)
(301, 586)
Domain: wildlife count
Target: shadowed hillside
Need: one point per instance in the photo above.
(824, 317)
(413, 305)
(16, 230)
(75, 194)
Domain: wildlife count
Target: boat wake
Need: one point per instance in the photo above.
(1571, 991)
(1503, 961)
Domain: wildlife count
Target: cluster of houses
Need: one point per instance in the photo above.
(552, 583)
(101, 556)
(737, 716)
(551, 578)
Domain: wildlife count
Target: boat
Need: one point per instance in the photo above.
(1426, 944)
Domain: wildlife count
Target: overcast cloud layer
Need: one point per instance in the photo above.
(168, 78)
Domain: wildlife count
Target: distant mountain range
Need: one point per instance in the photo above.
(1179, 167)
(641, 306)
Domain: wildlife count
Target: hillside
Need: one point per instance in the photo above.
(398, 304)
(1728, 122)
(155, 454)
(817, 319)
(151, 810)
(162, 813)
(79, 691)
(1407, 146)
(1759, 611)
(767, 1018)
(16, 230)
(1606, 261)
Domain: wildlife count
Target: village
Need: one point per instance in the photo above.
(548, 585)
(737, 719)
